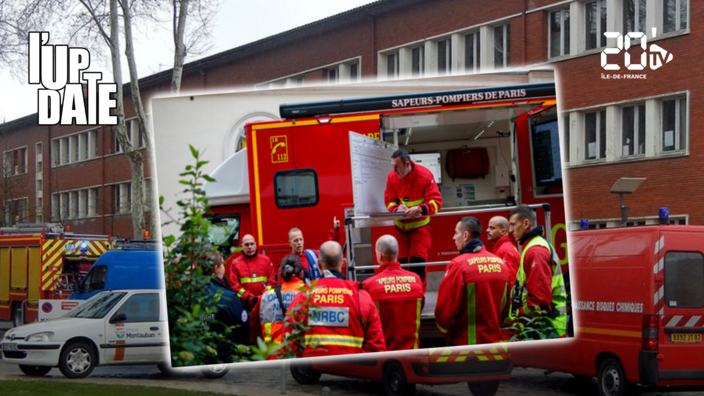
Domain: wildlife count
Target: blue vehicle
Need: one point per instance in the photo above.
(134, 265)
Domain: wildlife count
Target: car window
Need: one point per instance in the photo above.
(140, 308)
(684, 279)
(96, 307)
(95, 280)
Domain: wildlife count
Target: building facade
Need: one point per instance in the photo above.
(612, 128)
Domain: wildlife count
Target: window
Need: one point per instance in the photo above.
(77, 204)
(296, 188)
(392, 66)
(354, 73)
(674, 124)
(684, 280)
(472, 55)
(331, 75)
(79, 147)
(634, 16)
(16, 162)
(95, 280)
(633, 130)
(16, 211)
(225, 231)
(674, 15)
(559, 32)
(546, 156)
(502, 46)
(595, 135)
(92, 202)
(417, 61)
(122, 198)
(444, 57)
(596, 24)
(140, 308)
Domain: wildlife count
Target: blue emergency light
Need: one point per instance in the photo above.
(584, 224)
(664, 215)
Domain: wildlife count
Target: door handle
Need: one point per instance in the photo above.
(154, 328)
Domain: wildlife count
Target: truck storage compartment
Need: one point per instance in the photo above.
(467, 163)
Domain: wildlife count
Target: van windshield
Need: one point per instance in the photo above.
(96, 307)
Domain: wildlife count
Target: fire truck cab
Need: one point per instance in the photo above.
(639, 307)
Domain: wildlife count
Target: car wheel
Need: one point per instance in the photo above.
(483, 388)
(611, 380)
(395, 382)
(17, 315)
(77, 360)
(35, 371)
(215, 371)
(304, 374)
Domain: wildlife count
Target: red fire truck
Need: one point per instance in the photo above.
(42, 262)
(298, 171)
(639, 305)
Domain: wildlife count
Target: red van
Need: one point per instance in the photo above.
(638, 301)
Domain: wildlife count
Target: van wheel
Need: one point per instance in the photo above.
(611, 380)
(35, 371)
(77, 360)
(395, 382)
(215, 371)
(488, 388)
(17, 315)
(304, 374)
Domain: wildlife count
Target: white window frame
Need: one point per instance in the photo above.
(564, 41)
(421, 60)
(600, 38)
(679, 146)
(678, 16)
(476, 38)
(446, 57)
(636, 132)
(506, 45)
(12, 169)
(636, 18)
(598, 136)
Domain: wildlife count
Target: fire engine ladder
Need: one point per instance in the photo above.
(360, 251)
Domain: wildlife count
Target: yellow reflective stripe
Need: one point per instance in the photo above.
(410, 226)
(240, 293)
(418, 311)
(435, 205)
(446, 353)
(441, 329)
(267, 332)
(334, 339)
(391, 205)
(254, 280)
(413, 203)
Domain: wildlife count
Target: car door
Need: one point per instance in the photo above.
(133, 332)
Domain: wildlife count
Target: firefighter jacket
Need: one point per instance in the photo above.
(342, 320)
(399, 297)
(251, 276)
(540, 283)
(267, 316)
(505, 249)
(474, 297)
(309, 259)
(417, 188)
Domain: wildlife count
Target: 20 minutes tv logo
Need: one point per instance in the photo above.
(658, 55)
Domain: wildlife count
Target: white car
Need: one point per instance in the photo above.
(115, 327)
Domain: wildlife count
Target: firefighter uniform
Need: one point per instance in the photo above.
(474, 297)
(541, 284)
(416, 188)
(505, 249)
(267, 316)
(399, 297)
(251, 276)
(309, 259)
(344, 322)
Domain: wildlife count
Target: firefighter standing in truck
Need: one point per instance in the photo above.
(251, 273)
(474, 296)
(540, 288)
(411, 189)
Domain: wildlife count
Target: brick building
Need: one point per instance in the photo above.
(612, 128)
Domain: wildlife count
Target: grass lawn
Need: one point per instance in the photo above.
(20, 388)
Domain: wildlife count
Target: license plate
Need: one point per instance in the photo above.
(680, 338)
(9, 346)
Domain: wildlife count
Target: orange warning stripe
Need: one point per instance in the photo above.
(120, 351)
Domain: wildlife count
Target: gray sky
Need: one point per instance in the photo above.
(237, 23)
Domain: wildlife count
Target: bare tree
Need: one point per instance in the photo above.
(191, 27)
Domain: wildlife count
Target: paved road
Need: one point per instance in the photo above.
(265, 380)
